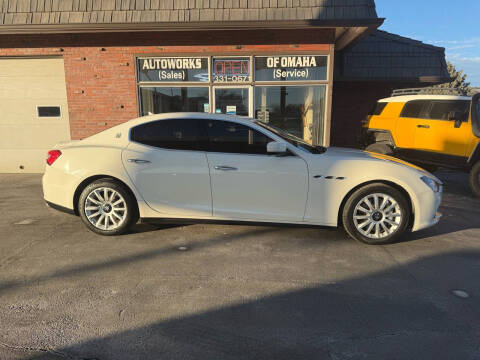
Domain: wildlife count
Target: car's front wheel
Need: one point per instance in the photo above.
(376, 214)
(107, 208)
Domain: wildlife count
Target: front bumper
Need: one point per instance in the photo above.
(426, 213)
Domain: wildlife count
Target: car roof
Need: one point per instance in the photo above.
(189, 115)
(405, 98)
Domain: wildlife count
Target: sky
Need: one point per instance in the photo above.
(454, 25)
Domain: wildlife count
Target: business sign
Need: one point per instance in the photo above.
(231, 70)
(191, 69)
(291, 68)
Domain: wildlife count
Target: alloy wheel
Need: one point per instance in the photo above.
(105, 208)
(377, 216)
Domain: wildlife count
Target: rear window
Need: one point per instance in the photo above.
(378, 108)
(415, 109)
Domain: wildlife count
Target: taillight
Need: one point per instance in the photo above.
(52, 156)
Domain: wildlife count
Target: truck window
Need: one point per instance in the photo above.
(378, 108)
(415, 109)
(440, 109)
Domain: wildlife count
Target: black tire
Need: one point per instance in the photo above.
(376, 188)
(380, 148)
(475, 179)
(130, 215)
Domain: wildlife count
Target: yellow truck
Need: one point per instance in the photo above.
(429, 130)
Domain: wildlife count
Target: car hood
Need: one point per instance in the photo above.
(359, 154)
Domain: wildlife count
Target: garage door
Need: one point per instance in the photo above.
(33, 112)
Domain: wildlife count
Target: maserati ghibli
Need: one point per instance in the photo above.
(194, 167)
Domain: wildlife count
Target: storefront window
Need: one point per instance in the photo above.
(299, 110)
(232, 101)
(287, 91)
(156, 100)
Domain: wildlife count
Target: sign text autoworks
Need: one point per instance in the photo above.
(171, 64)
(191, 69)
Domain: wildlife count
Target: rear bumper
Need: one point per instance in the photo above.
(58, 188)
(59, 208)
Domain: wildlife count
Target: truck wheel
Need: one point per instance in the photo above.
(475, 179)
(380, 148)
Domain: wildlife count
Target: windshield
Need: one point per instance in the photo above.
(292, 139)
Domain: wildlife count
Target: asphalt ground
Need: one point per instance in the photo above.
(235, 292)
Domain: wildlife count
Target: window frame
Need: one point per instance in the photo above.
(425, 108)
(433, 101)
(323, 137)
(320, 131)
(268, 136)
(49, 106)
(379, 105)
(201, 127)
(475, 114)
(169, 85)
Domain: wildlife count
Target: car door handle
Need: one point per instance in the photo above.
(138, 161)
(424, 126)
(225, 168)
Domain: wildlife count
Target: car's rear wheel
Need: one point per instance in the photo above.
(107, 207)
(475, 179)
(376, 214)
(380, 148)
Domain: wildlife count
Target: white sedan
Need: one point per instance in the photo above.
(194, 167)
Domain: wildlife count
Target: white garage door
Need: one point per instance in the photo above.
(33, 112)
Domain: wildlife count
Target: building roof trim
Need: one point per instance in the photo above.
(182, 26)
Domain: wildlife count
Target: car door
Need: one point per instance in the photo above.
(168, 165)
(406, 125)
(436, 134)
(249, 184)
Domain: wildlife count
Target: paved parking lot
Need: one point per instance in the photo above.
(236, 292)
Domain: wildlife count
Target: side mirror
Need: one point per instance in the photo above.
(276, 148)
(457, 117)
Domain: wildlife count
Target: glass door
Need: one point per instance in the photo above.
(232, 100)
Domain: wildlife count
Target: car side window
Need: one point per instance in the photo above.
(440, 109)
(231, 137)
(178, 134)
(415, 109)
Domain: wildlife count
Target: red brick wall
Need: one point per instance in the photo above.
(100, 71)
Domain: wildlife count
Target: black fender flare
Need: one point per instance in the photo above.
(381, 136)
(475, 156)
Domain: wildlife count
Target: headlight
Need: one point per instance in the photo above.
(432, 184)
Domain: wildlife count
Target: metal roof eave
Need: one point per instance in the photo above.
(182, 26)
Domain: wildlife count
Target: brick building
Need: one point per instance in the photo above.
(72, 68)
